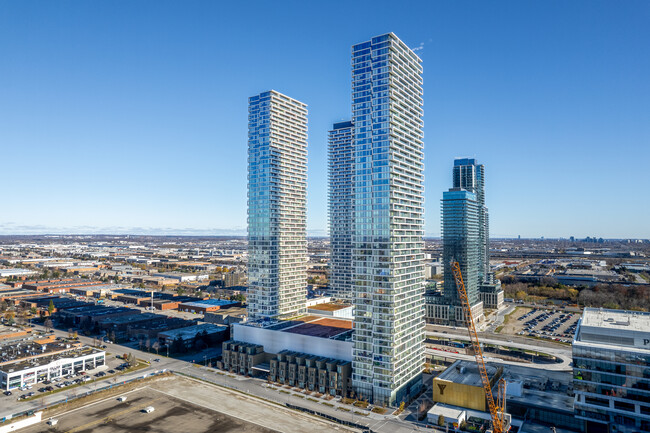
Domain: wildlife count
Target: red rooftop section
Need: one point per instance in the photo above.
(322, 327)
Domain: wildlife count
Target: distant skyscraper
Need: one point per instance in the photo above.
(277, 199)
(470, 175)
(387, 257)
(461, 243)
(341, 208)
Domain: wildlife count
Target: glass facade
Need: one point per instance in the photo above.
(612, 382)
(470, 175)
(341, 208)
(277, 199)
(387, 255)
(461, 243)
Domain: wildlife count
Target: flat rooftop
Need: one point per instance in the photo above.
(191, 331)
(210, 303)
(329, 306)
(616, 319)
(466, 373)
(320, 327)
(614, 328)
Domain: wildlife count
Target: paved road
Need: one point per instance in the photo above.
(564, 354)
(251, 386)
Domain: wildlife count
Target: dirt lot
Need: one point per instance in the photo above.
(180, 405)
(170, 415)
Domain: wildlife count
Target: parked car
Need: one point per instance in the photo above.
(7, 392)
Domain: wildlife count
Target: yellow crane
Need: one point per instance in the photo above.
(497, 410)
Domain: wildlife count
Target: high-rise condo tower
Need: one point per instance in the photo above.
(277, 200)
(387, 255)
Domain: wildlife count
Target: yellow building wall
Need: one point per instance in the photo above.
(457, 394)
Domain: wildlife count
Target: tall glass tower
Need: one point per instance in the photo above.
(470, 175)
(341, 208)
(387, 255)
(461, 243)
(277, 200)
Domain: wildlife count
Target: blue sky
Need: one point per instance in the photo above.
(131, 116)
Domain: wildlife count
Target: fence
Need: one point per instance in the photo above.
(76, 396)
(363, 428)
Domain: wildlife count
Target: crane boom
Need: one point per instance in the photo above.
(496, 409)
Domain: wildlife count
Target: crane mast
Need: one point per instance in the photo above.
(496, 409)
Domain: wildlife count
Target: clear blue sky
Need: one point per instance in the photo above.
(131, 116)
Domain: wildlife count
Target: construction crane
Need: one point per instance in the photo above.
(497, 410)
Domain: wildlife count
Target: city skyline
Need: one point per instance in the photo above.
(124, 115)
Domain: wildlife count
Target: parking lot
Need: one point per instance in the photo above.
(113, 367)
(549, 324)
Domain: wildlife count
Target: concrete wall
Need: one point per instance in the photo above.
(277, 341)
(35, 419)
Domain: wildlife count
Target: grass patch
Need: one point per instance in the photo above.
(327, 404)
(379, 410)
(499, 328)
(344, 409)
(284, 392)
(360, 413)
(312, 399)
(361, 404)
(299, 395)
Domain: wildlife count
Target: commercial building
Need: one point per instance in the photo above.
(188, 334)
(313, 353)
(320, 336)
(201, 307)
(277, 205)
(28, 362)
(226, 316)
(533, 396)
(341, 208)
(16, 273)
(387, 256)
(611, 370)
(182, 278)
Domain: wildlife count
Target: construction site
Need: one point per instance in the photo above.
(498, 397)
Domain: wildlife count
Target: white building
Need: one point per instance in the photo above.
(183, 278)
(277, 205)
(16, 272)
(39, 369)
(611, 370)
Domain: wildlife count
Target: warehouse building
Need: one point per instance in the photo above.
(207, 305)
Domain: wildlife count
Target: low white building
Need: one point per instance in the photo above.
(36, 370)
(183, 278)
(16, 272)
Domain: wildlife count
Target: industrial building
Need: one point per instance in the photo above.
(611, 371)
(207, 305)
(187, 334)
